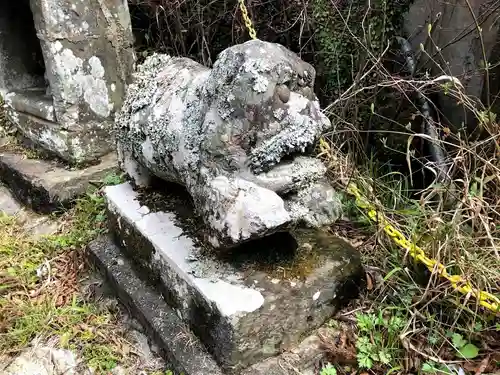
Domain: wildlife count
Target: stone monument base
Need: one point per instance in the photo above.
(48, 186)
(32, 113)
(178, 344)
(244, 305)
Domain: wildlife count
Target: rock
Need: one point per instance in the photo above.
(232, 136)
(141, 344)
(45, 361)
(8, 205)
(118, 370)
(38, 226)
(148, 354)
(35, 225)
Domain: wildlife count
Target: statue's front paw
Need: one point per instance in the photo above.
(237, 210)
(316, 205)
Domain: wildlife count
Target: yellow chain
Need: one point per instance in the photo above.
(485, 299)
(247, 20)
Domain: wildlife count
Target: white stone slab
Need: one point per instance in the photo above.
(175, 248)
(238, 310)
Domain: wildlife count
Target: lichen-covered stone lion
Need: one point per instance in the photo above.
(236, 136)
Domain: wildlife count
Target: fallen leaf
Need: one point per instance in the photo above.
(482, 367)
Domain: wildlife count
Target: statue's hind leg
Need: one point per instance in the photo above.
(136, 171)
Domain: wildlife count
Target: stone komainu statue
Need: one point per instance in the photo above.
(236, 136)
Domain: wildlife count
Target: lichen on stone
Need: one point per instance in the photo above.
(223, 134)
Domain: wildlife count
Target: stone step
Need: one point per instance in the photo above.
(247, 305)
(47, 186)
(178, 345)
(35, 225)
(34, 102)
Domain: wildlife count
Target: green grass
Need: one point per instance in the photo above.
(417, 315)
(412, 319)
(39, 293)
(378, 338)
(329, 369)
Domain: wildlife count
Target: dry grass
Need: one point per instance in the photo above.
(455, 220)
(434, 317)
(40, 296)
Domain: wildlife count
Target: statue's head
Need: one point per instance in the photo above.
(263, 107)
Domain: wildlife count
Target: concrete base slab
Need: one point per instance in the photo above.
(247, 305)
(178, 345)
(32, 223)
(48, 186)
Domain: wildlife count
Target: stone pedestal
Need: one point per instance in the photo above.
(63, 70)
(244, 305)
(47, 186)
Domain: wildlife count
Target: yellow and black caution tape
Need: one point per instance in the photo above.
(247, 20)
(485, 299)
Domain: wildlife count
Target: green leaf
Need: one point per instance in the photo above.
(100, 218)
(378, 337)
(433, 339)
(478, 327)
(328, 370)
(364, 345)
(384, 357)
(427, 367)
(396, 323)
(469, 351)
(366, 322)
(458, 341)
(364, 361)
(473, 190)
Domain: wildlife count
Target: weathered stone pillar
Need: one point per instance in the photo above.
(88, 57)
(460, 52)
